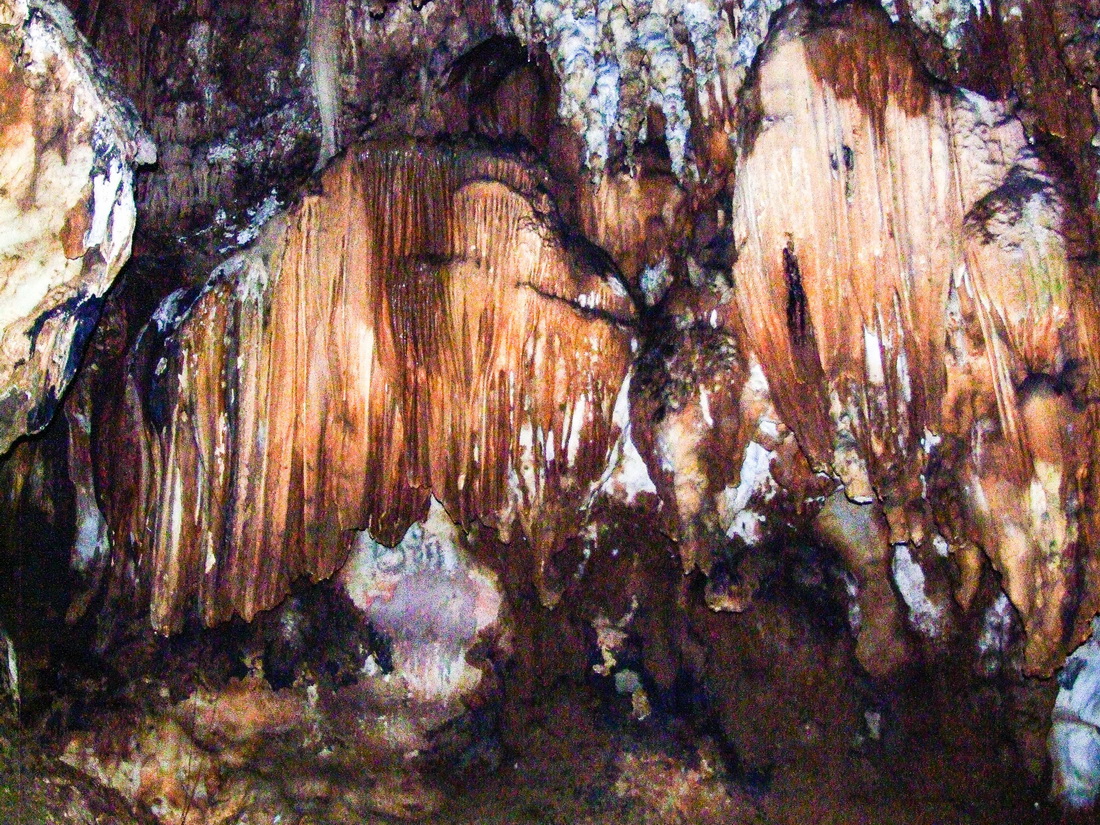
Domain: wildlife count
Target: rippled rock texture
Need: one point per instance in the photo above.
(417, 337)
(417, 328)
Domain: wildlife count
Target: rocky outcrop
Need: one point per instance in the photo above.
(906, 307)
(1074, 735)
(341, 704)
(68, 143)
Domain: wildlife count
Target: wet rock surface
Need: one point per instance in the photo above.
(576, 412)
(68, 145)
(419, 327)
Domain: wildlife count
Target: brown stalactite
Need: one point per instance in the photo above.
(905, 277)
(417, 328)
(883, 239)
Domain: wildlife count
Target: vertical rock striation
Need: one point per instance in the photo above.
(417, 328)
(906, 277)
(838, 352)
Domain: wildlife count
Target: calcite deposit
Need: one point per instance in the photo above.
(349, 698)
(691, 401)
(417, 328)
(68, 145)
(905, 306)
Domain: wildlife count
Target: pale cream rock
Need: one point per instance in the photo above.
(67, 147)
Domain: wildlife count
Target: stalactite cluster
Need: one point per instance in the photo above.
(734, 364)
(418, 327)
(907, 283)
(688, 59)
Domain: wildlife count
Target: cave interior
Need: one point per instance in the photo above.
(549, 411)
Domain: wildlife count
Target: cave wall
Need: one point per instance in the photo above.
(416, 328)
(436, 306)
(70, 143)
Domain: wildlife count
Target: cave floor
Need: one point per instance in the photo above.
(582, 764)
(579, 759)
(38, 790)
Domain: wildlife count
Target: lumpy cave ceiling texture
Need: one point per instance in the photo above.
(549, 411)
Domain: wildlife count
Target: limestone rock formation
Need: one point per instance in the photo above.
(236, 144)
(906, 303)
(1074, 738)
(352, 695)
(729, 367)
(414, 350)
(67, 148)
(687, 58)
(417, 328)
